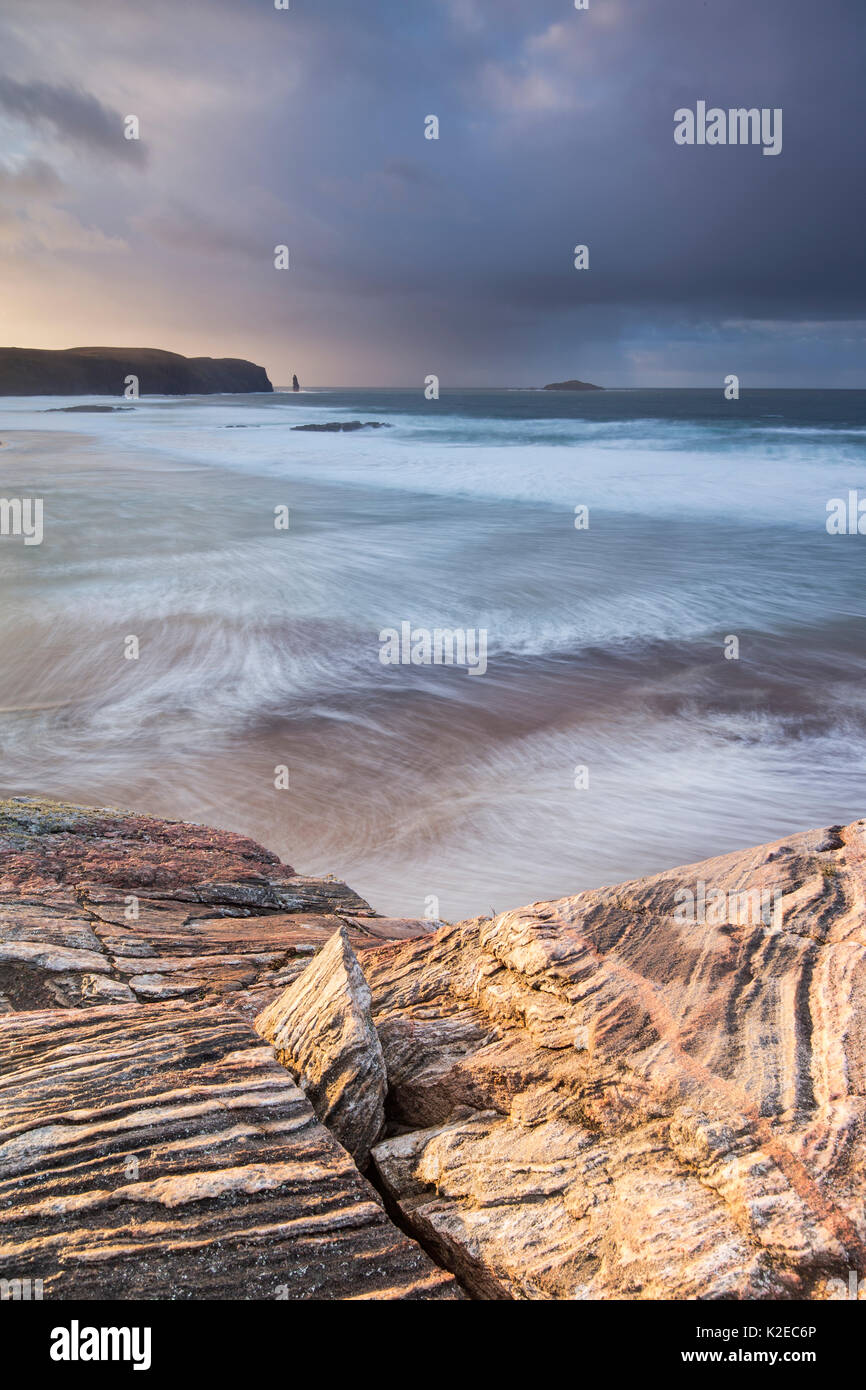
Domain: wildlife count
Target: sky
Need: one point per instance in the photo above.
(305, 127)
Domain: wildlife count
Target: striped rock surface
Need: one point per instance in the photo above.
(322, 1031)
(160, 1152)
(656, 1090)
(102, 906)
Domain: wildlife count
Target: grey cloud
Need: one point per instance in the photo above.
(32, 179)
(184, 229)
(306, 127)
(408, 171)
(74, 115)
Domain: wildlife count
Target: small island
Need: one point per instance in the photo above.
(572, 386)
(102, 371)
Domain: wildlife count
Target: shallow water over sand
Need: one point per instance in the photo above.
(260, 648)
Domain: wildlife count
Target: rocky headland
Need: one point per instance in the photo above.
(102, 371)
(223, 1079)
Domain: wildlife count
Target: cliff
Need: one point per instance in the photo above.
(101, 371)
(651, 1091)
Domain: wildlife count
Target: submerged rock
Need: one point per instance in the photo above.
(87, 409)
(323, 1032)
(335, 426)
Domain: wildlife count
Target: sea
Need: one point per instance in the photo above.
(675, 641)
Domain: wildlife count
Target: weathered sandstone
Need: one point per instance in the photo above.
(592, 1099)
(100, 904)
(161, 1152)
(151, 1146)
(322, 1030)
(651, 1091)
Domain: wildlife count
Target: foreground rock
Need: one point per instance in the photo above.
(102, 371)
(651, 1091)
(162, 1153)
(323, 1032)
(152, 1146)
(599, 1098)
(99, 906)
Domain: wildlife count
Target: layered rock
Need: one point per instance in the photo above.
(102, 371)
(99, 906)
(161, 1152)
(151, 1146)
(648, 1091)
(322, 1030)
(619, 1095)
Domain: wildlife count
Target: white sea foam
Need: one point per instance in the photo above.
(605, 647)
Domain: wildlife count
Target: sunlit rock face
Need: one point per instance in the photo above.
(151, 1144)
(323, 1032)
(160, 1151)
(648, 1091)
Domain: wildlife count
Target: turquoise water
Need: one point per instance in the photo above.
(606, 646)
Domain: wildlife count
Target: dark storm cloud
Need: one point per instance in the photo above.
(73, 115)
(555, 135)
(306, 127)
